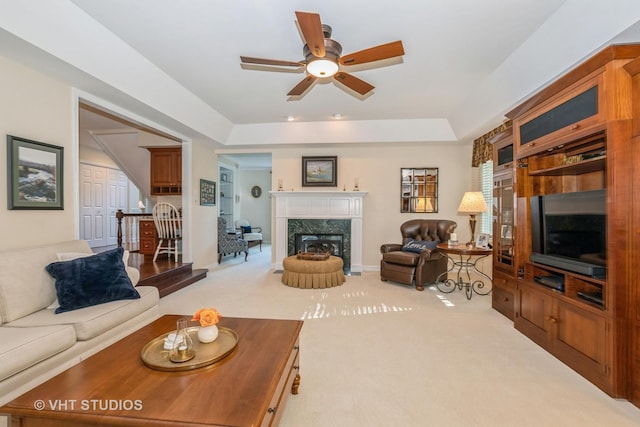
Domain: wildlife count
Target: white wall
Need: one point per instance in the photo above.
(255, 210)
(377, 168)
(94, 155)
(36, 107)
(203, 219)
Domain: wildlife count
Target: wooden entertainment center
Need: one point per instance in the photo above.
(578, 134)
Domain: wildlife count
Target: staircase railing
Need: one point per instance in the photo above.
(128, 230)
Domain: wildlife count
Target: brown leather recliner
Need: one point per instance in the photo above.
(412, 268)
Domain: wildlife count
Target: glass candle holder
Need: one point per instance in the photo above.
(182, 347)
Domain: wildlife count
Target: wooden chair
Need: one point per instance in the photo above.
(168, 227)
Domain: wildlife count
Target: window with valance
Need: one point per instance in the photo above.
(483, 158)
(482, 149)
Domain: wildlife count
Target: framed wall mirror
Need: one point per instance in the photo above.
(419, 190)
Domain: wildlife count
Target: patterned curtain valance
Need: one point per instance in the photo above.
(482, 149)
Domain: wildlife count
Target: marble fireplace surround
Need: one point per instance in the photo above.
(318, 205)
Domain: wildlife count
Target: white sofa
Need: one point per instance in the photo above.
(36, 343)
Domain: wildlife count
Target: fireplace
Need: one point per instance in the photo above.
(334, 233)
(320, 243)
(322, 214)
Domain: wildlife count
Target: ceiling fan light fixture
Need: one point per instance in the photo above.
(322, 67)
(324, 62)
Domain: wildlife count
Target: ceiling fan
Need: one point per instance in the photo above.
(322, 56)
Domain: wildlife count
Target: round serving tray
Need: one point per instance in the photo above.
(155, 356)
(313, 256)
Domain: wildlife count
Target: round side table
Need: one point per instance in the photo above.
(464, 266)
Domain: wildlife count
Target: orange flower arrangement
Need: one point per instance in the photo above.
(207, 316)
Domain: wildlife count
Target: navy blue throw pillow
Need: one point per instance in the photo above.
(246, 228)
(91, 280)
(418, 245)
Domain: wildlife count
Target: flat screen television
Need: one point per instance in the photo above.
(568, 231)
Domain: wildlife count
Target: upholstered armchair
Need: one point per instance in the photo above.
(250, 233)
(230, 243)
(416, 260)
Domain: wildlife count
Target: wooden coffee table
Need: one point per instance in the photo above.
(249, 387)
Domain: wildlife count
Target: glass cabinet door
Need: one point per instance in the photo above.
(503, 220)
(419, 190)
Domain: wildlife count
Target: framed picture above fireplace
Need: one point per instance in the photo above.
(320, 171)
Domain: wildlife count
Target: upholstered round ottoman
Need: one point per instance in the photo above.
(302, 273)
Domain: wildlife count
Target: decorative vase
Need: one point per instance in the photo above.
(207, 334)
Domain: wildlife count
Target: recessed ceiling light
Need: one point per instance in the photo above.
(337, 116)
(290, 118)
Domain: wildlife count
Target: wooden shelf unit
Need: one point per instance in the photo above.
(227, 196)
(504, 208)
(591, 150)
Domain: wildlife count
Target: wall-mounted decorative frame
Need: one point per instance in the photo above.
(207, 193)
(419, 190)
(256, 191)
(320, 171)
(34, 174)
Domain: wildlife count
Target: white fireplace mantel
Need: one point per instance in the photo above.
(318, 205)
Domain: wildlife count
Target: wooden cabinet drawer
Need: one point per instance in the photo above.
(285, 387)
(147, 224)
(502, 300)
(147, 246)
(147, 233)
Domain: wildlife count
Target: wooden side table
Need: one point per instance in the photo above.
(465, 266)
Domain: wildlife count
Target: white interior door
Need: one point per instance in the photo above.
(117, 188)
(102, 192)
(92, 209)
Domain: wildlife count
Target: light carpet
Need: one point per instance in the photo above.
(375, 353)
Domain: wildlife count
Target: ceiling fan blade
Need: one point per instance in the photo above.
(302, 86)
(250, 60)
(311, 28)
(377, 53)
(353, 83)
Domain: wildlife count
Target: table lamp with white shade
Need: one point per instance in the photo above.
(472, 203)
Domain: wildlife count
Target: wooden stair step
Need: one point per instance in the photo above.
(172, 280)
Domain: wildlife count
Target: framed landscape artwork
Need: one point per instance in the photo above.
(34, 174)
(320, 171)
